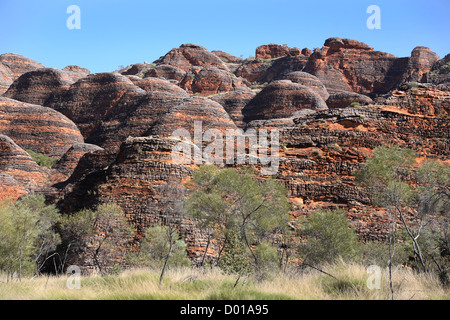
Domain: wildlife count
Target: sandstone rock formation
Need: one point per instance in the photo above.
(6, 78)
(10, 188)
(13, 66)
(109, 107)
(346, 99)
(257, 70)
(150, 84)
(210, 80)
(309, 81)
(332, 108)
(425, 99)
(38, 128)
(189, 55)
(420, 63)
(272, 51)
(281, 99)
(142, 166)
(234, 102)
(19, 172)
(37, 86)
(183, 116)
(93, 100)
(137, 69)
(77, 69)
(349, 65)
(167, 72)
(19, 64)
(440, 73)
(69, 161)
(226, 57)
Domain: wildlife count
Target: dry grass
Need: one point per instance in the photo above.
(196, 284)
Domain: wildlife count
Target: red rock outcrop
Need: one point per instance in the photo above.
(306, 52)
(234, 102)
(420, 63)
(37, 86)
(143, 165)
(281, 99)
(345, 99)
(109, 107)
(77, 69)
(183, 116)
(349, 65)
(150, 84)
(69, 161)
(38, 128)
(226, 57)
(337, 44)
(425, 99)
(6, 78)
(210, 80)
(18, 164)
(95, 99)
(272, 51)
(309, 81)
(167, 72)
(320, 148)
(257, 70)
(10, 189)
(189, 55)
(137, 69)
(440, 73)
(13, 66)
(19, 64)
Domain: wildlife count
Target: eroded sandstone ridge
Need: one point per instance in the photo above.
(112, 132)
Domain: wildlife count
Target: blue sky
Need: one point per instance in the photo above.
(118, 32)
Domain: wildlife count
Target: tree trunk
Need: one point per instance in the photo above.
(206, 250)
(166, 262)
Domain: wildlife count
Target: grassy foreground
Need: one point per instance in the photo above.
(193, 284)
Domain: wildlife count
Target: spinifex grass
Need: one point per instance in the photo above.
(212, 284)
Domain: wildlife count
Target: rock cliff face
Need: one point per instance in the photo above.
(13, 66)
(309, 81)
(6, 78)
(281, 99)
(69, 160)
(210, 80)
(167, 72)
(343, 63)
(189, 55)
(37, 86)
(271, 51)
(345, 99)
(19, 64)
(143, 166)
(257, 70)
(19, 173)
(421, 62)
(112, 131)
(38, 128)
(234, 102)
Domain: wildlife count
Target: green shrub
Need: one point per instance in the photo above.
(42, 160)
(27, 235)
(234, 258)
(154, 249)
(328, 236)
(334, 146)
(317, 152)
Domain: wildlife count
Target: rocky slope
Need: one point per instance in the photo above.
(112, 131)
(38, 128)
(19, 173)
